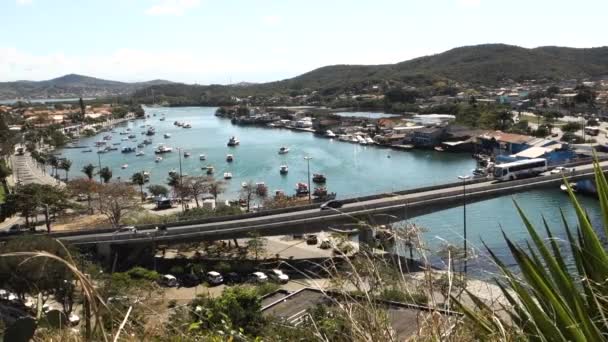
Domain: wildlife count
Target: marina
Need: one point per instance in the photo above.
(349, 170)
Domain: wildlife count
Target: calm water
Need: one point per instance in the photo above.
(350, 169)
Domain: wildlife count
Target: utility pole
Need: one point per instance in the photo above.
(99, 158)
(464, 217)
(307, 158)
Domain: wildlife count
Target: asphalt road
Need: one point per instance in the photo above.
(312, 216)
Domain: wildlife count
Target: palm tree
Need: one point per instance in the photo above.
(139, 179)
(89, 170)
(66, 164)
(54, 162)
(106, 174)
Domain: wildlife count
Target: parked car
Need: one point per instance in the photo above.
(312, 239)
(258, 277)
(278, 276)
(325, 244)
(333, 204)
(233, 278)
(190, 280)
(214, 278)
(559, 169)
(168, 280)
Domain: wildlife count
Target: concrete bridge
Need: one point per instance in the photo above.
(309, 219)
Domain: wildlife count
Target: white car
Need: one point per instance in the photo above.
(278, 276)
(558, 170)
(258, 277)
(168, 280)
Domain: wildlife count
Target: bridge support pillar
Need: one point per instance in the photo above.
(104, 253)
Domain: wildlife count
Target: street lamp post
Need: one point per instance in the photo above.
(464, 216)
(307, 158)
(179, 150)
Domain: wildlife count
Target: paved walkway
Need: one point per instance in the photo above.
(26, 171)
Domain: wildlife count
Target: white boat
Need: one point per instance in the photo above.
(330, 134)
(158, 159)
(124, 166)
(283, 150)
(344, 137)
(229, 158)
(202, 157)
(163, 149)
(369, 140)
(227, 175)
(233, 141)
(187, 154)
(360, 140)
(167, 135)
(210, 170)
(162, 118)
(124, 139)
(244, 185)
(284, 169)
(186, 125)
(140, 153)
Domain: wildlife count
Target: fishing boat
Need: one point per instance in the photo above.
(301, 189)
(187, 154)
(283, 169)
(167, 135)
(318, 178)
(233, 141)
(139, 153)
(202, 157)
(320, 191)
(124, 166)
(229, 158)
(227, 175)
(283, 150)
(210, 170)
(158, 159)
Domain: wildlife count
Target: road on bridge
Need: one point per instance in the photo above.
(305, 220)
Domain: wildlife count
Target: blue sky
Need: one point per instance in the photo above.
(203, 41)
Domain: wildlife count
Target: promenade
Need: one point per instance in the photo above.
(25, 171)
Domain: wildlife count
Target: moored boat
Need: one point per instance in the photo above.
(233, 141)
(158, 159)
(330, 134)
(283, 150)
(187, 154)
(167, 135)
(229, 158)
(318, 178)
(210, 170)
(202, 157)
(284, 169)
(124, 166)
(301, 189)
(261, 189)
(139, 153)
(227, 175)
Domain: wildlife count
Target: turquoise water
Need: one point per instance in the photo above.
(351, 169)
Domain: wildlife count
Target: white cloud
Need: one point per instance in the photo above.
(469, 3)
(172, 7)
(24, 2)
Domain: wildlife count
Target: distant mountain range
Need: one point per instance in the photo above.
(489, 65)
(70, 86)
